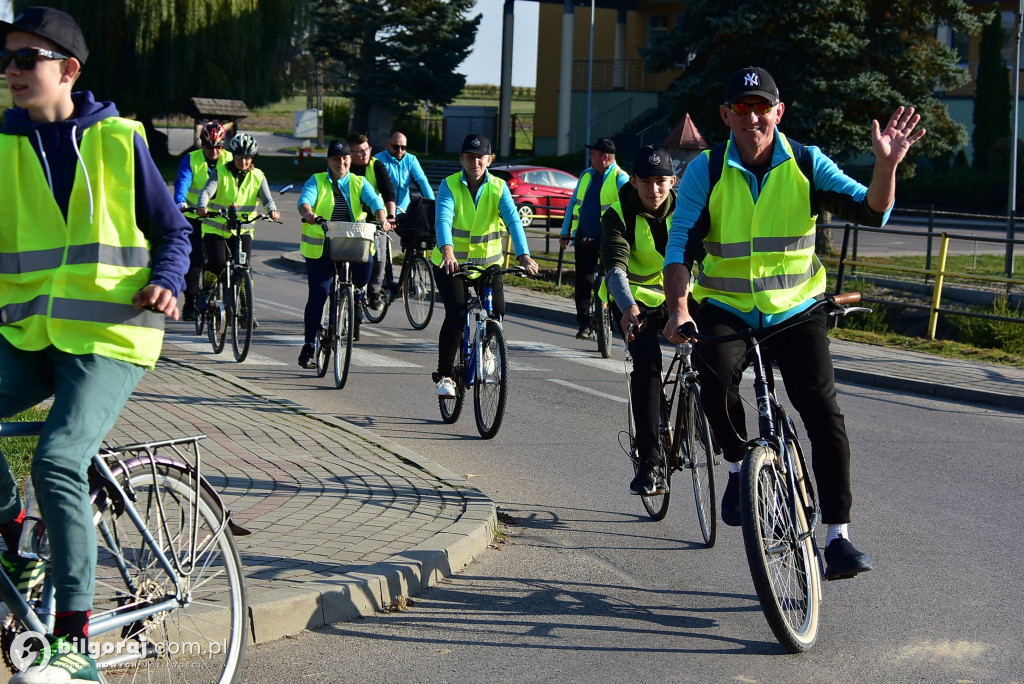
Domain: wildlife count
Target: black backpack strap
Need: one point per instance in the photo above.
(715, 163)
(803, 160)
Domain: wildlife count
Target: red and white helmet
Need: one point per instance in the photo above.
(212, 134)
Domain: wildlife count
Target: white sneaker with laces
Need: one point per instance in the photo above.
(445, 387)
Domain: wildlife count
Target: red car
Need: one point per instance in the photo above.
(540, 192)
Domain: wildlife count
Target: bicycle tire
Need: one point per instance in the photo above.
(451, 407)
(200, 323)
(784, 568)
(211, 630)
(242, 315)
(376, 315)
(322, 342)
(700, 460)
(656, 504)
(603, 327)
(216, 329)
(418, 292)
(490, 393)
(343, 340)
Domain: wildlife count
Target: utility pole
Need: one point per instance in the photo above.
(1012, 204)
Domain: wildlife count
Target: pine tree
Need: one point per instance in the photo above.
(992, 98)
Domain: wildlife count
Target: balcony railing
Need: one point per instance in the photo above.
(619, 74)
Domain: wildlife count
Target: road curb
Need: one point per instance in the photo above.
(276, 613)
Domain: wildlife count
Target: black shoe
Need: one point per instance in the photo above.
(188, 312)
(203, 300)
(357, 323)
(306, 357)
(584, 333)
(644, 484)
(374, 301)
(731, 501)
(842, 560)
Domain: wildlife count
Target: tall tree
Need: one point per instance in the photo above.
(152, 56)
(394, 53)
(838, 64)
(992, 100)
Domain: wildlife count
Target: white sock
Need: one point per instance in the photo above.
(840, 530)
(735, 467)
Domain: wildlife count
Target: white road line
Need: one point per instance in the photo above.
(360, 357)
(200, 345)
(587, 358)
(581, 388)
(295, 312)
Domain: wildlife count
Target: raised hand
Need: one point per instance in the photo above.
(891, 144)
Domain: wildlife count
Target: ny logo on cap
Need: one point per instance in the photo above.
(475, 142)
(654, 159)
(750, 80)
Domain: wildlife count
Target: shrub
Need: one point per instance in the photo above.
(336, 112)
(993, 334)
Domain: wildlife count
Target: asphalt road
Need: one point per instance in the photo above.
(587, 589)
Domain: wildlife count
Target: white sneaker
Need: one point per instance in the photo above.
(489, 362)
(445, 387)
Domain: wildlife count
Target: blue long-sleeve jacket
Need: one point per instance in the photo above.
(445, 214)
(403, 173)
(833, 190)
(368, 195)
(155, 212)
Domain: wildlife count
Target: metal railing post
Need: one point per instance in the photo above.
(928, 243)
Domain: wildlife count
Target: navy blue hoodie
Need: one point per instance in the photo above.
(155, 213)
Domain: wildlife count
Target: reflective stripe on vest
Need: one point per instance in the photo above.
(312, 244)
(476, 228)
(761, 254)
(71, 285)
(244, 196)
(646, 282)
(201, 173)
(609, 193)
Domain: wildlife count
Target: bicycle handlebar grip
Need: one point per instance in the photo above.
(846, 298)
(687, 329)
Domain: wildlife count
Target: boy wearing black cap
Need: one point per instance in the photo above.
(597, 190)
(82, 307)
(752, 204)
(634, 233)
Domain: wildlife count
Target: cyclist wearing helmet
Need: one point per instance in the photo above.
(195, 169)
(237, 183)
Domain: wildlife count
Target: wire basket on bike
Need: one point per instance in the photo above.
(349, 241)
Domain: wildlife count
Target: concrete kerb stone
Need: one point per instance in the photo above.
(279, 612)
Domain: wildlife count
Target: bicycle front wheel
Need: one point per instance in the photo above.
(491, 384)
(204, 637)
(322, 342)
(656, 505)
(343, 340)
(242, 315)
(451, 407)
(418, 292)
(700, 459)
(603, 327)
(782, 561)
(216, 328)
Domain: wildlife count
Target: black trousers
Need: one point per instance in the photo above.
(455, 293)
(588, 257)
(645, 381)
(803, 358)
(215, 249)
(195, 259)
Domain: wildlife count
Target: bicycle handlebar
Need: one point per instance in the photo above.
(466, 269)
(240, 219)
(835, 305)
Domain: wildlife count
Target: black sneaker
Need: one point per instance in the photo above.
(306, 357)
(644, 484)
(188, 312)
(584, 333)
(842, 560)
(731, 501)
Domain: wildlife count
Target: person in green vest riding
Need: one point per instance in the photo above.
(598, 189)
(93, 254)
(755, 219)
(239, 183)
(336, 195)
(634, 232)
(473, 208)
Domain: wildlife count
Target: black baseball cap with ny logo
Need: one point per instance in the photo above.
(751, 81)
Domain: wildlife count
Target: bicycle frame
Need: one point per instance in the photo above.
(478, 309)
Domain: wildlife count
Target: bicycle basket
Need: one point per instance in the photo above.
(350, 241)
(416, 226)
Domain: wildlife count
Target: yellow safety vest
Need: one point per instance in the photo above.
(69, 283)
(476, 228)
(312, 245)
(244, 196)
(646, 281)
(609, 194)
(201, 173)
(761, 254)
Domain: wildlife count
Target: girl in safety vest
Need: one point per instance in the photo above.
(471, 206)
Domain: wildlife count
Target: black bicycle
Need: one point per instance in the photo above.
(778, 504)
(415, 282)
(230, 303)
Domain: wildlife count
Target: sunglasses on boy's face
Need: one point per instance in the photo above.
(743, 108)
(27, 58)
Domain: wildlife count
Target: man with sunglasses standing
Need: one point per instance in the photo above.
(195, 169)
(86, 279)
(751, 203)
(404, 169)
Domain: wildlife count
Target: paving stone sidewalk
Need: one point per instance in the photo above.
(343, 521)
